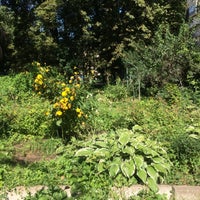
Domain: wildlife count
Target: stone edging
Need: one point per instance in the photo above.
(172, 192)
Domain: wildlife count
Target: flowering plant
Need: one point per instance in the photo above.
(62, 93)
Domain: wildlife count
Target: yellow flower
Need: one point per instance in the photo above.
(56, 105)
(69, 105)
(63, 84)
(72, 98)
(59, 113)
(64, 106)
(64, 94)
(78, 85)
(79, 115)
(70, 81)
(39, 76)
(47, 113)
(67, 89)
(72, 78)
(64, 100)
(40, 82)
(78, 110)
(38, 64)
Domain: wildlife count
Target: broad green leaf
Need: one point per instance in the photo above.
(137, 128)
(101, 152)
(114, 169)
(142, 174)
(158, 160)
(100, 144)
(160, 167)
(84, 152)
(100, 167)
(124, 138)
(152, 184)
(152, 173)
(139, 161)
(149, 151)
(129, 150)
(128, 168)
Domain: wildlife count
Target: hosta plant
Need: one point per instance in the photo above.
(129, 154)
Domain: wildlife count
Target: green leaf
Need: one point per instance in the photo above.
(124, 137)
(128, 168)
(101, 152)
(100, 144)
(158, 160)
(59, 122)
(160, 168)
(114, 169)
(100, 166)
(137, 128)
(139, 161)
(142, 174)
(129, 150)
(84, 152)
(152, 173)
(152, 184)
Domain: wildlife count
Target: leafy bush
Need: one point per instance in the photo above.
(105, 114)
(169, 58)
(116, 92)
(62, 92)
(21, 111)
(129, 155)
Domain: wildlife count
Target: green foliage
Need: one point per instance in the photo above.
(169, 58)
(148, 195)
(52, 193)
(129, 154)
(105, 114)
(21, 111)
(116, 92)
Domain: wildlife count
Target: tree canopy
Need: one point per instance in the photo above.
(91, 33)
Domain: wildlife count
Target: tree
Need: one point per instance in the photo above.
(6, 38)
(170, 58)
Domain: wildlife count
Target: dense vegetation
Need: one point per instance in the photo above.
(96, 95)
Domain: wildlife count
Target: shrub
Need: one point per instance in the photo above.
(116, 92)
(62, 92)
(21, 111)
(26, 117)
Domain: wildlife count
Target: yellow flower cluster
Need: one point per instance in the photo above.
(65, 103)
(39, 79)
(79, 112)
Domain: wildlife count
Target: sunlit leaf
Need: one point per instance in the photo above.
(124, 138)
(128, 168)
(114, 169)
(152, 173)
(101, 152)
(142, 174)
(84, 151)
(152, 184)
(139, 161)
